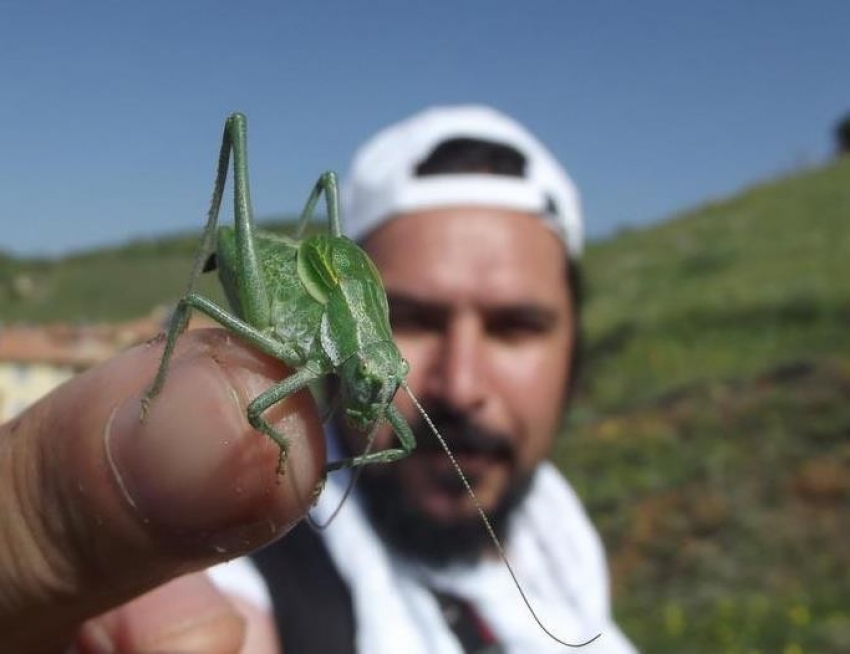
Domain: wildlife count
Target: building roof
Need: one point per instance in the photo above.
(79, 345)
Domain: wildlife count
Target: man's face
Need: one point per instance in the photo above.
(480, 309)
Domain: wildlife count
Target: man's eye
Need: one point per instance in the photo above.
(410, 317)
(515, 326)
(415, 321)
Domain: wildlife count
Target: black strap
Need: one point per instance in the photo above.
(313, 608)
(474, 635)
(312, 605)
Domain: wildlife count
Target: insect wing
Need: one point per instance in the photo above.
(316, 268)
(352, 262)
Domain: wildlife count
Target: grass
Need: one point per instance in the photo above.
(711, 440)
(105, 285)
(728, 289)
(724, 508)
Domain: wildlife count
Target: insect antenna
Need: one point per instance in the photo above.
(352, 482)
(490, 531)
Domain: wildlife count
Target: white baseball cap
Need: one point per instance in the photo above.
(382, 181)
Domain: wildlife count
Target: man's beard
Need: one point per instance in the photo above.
(409, 530)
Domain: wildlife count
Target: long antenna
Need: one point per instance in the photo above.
(486, 521)
(355, 475)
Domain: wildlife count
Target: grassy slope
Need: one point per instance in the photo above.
(730, 288)
(711, 441)
(105, 285)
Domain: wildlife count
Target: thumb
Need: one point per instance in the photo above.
(100, 507)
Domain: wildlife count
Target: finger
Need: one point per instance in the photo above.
(261, 635)
(186, 615)
(102, 506)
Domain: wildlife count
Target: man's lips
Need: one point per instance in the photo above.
(461, 435)
(443, 474)
(439, 489)
(481, 450)
(474, 464)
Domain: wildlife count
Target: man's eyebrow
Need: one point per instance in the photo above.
(528, 310)
(404, 303)
(400, 298)
(526, 317)
(532, 313)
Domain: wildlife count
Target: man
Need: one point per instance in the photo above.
(475, 229)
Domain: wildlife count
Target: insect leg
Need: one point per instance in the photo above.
(327, 182)
(252, 286)
(180, 317)
(275, 394)
(405, 437)
(179, 320)
(208, 238)
(233, 138)
(176, 326)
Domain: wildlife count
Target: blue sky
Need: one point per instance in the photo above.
(111, 112)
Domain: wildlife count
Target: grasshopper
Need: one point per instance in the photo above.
(318, 304)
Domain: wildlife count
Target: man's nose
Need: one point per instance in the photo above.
(459, 376)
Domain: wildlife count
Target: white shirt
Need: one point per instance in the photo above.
(553, 548)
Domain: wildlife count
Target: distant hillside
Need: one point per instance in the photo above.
(108, 285)
(732, 287)
(711, 437)
(711, 441)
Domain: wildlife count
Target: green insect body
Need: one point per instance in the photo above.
(316, 304)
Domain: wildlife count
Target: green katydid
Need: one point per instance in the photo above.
(317, 304)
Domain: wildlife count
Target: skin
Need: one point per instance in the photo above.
(107, 519)
(481, 311)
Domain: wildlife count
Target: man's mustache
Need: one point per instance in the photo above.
(461, 434)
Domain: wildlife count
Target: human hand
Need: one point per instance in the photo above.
(99, 508)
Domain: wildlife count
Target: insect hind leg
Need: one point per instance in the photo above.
(405, 437)
(177, 325)
(179, 322)
(182, 312)
(327, 184)
(202, 256)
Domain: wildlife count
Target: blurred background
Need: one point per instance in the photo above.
(711, 437)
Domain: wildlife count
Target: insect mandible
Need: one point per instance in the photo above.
(318, 304)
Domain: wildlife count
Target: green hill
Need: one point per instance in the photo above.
(711, 438)
(106, 285)
(711, 441)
